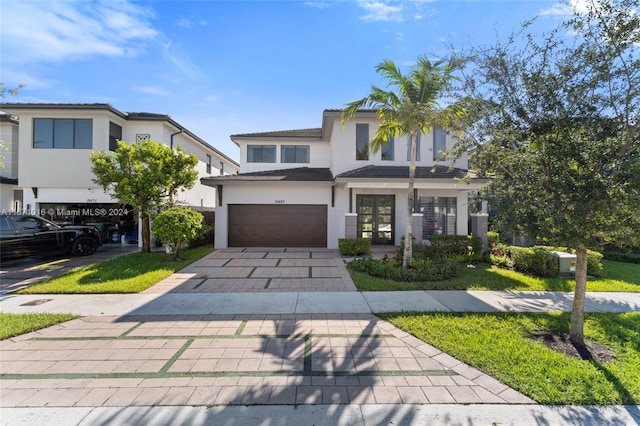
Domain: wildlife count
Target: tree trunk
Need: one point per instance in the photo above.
(577, 309)
(146, 233)
(407, 256)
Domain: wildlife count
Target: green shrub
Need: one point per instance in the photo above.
(594, 267)
(493, 239)
(460, 247)
(421, 269)
(354, 246)
(204, 237)
(534, 260)
(621, 257)
(176, 226)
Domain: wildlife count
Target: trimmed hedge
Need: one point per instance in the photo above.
(534, 260)
(354, 246)
(462, 248)
(493, 239)
(594, 267)
(621, 257)
(421, 270)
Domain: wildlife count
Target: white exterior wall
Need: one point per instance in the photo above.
(343, 149)
(318, 156)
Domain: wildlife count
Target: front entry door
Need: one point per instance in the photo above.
(376, 214)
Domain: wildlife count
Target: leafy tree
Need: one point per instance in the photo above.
(144, 175)
(555, 120)
(175, 226)
(411, 106)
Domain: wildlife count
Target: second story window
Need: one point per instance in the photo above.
(362, 141)
(417, 148)
(62, 133)
(439, 143)
(387, 150)
(261, 153)
(221, 168)
(115, 134)
(294, 154)
(208, 164)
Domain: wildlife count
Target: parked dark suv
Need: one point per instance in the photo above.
(28, 235)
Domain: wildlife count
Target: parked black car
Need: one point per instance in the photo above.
(28, 235)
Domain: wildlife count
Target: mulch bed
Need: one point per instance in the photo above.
(559, 342)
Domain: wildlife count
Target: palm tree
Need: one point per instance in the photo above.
(411, 106)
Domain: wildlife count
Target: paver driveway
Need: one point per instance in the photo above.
(261, 270)
(279, 359)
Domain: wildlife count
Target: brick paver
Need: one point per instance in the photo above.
(235, 359)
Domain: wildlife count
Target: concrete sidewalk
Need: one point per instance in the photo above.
(315, 302)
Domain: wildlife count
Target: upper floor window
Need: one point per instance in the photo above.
(221, 168)
(439, 143)
(362, 141)
(387, 150)
(115, 134)
(294, 154)
(208, 164)
(62, 133)
(261, 153)
(409, 144)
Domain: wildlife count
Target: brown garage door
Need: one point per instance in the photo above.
(266, 225)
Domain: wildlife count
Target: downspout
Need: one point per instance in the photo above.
(173, 134)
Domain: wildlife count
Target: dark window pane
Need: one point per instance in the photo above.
(302, 154)
(288, 154)
(439, 143)
(83, 134)
(387, 150)
(43, 133)
(115, 134)
(253, 154)
(269, 154)
(63, 134)
(362, 141)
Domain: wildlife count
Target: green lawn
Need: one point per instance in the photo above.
(16, 324)
(498, 345)
(132, 273)
(616, 276)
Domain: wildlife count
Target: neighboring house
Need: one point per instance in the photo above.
(9, 171)
(53, 169)
(309, 187)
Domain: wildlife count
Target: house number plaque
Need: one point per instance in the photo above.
(279, 201)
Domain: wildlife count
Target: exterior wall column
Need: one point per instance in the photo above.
(416, 227)
(480, 227)
(351, 225)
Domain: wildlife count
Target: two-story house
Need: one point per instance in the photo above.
(51, 158)
(309, 187)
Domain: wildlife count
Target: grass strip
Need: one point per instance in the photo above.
(175, 356)
(131, 273)
(200, 283)
(252, 271)
(167, 375)
(268, 283)
(500, 345)
(16, 324)
(241, 327)
(307, 354)
(129, 331)
(310, 272)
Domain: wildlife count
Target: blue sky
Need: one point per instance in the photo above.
(227, 67)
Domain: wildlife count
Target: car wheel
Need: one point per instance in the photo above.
(84, 246)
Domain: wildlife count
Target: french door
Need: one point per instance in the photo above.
(376, 214)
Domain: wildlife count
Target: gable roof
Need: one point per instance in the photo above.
(296, 133)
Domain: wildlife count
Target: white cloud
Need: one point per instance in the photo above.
(563, 9)
(34, 31)
(316, 4)
(175, 55)
(185, 23)
(152, 90)
(379, 11)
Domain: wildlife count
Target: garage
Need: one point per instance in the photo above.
(266, 225)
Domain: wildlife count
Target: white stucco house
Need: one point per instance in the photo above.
(310, 187)
(49, 170)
